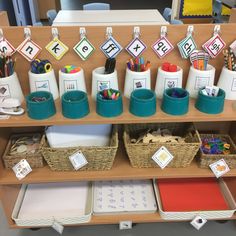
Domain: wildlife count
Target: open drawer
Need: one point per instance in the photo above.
(43, 204)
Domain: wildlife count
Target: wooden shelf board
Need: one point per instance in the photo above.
(121, 170)
(229, 114)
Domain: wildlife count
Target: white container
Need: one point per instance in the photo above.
(198, 79)
(136, 80)
(44, 82)
(101, 81)
(167, 79)
(227, 82)
(71, 81)
(10, 87)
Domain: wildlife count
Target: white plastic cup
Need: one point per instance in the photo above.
(44, 82)
(198, 79)
(101, 81)
(136, 80)
(227, 82)
(10, 87)
(167, 80)
(71, 81)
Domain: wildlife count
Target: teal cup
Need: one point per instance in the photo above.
(142, 102)
(210, 105)
(109, 108)
(175, 101)
(74, 104)
(40, 105)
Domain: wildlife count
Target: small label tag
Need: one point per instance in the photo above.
(139, 83)
(136, 47)
(57, 48)
(187, 46)
(219, 168)
(58, 227)
(84, 49)
(29, 49)
(198, 222)
(125, 225)
(78, 160)
(233, 47)
(6, 47)
(111, 48)
(214, 45)
(171, 83)
(162, 47)
(162, 157)
(22, 169)
(4, 117)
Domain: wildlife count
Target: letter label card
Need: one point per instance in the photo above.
(111, 48)
(187, 46)
(162, 47)
(136, 47)
(6, 47)
(57, 48)
(84, 48)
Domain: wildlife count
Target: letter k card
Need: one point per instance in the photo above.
(57, 48)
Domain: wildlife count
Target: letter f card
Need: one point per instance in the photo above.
(57, 48)
(187, 46)
(111, 48)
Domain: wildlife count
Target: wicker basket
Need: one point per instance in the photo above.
(98, 157)
(140, 155)
(206, 159)
(35, 160)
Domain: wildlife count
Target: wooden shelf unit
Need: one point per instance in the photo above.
(9, 185)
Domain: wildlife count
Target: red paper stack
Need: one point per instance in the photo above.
(191, 195)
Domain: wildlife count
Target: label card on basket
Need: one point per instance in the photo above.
(58, 227)
(162, 47)
(162, 157)
(22, 169)
(78, 160)
(198, 222)
(219, 168)
(214, 45)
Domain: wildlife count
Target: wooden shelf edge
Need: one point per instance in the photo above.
(229, 114)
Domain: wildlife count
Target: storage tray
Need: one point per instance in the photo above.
(189, 215)
(25, 214)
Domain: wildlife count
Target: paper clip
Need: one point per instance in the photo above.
(190, 30)
(109, 32)
(137, 32)
(1, 34)
(55, 33)
(82, 32)
(27, 33)
(163, 31)
(216, 30)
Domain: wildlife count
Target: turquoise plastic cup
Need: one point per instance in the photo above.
(40, 105)
(210, 104)
(74, 104)
(175, 105)
(142, 102)
(109, 108)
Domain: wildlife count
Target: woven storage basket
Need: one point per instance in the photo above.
(206, 159)
(98, 157)
(35, 160)
(140, 155)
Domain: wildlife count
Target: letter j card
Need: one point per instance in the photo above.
(187, 46)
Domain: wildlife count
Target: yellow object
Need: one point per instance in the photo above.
(200, 8)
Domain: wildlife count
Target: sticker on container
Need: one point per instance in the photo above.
(58, 227)
(111, 48)
(201, 82)
(139, 83)
(5, 90)
(233, 88)
(70, 85)
(136, 47)
(102, 85)
(29, 49)
(198, 222)
(219, 168)
(84, 48)
(171, 83)
(78, 160)
(22, 169)
(214, 45)
(162, 157)
(6, 47)
(57, 48)
(162, 47)
(187, 46)
(42, 85)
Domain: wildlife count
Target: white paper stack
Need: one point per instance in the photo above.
(128, 196)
